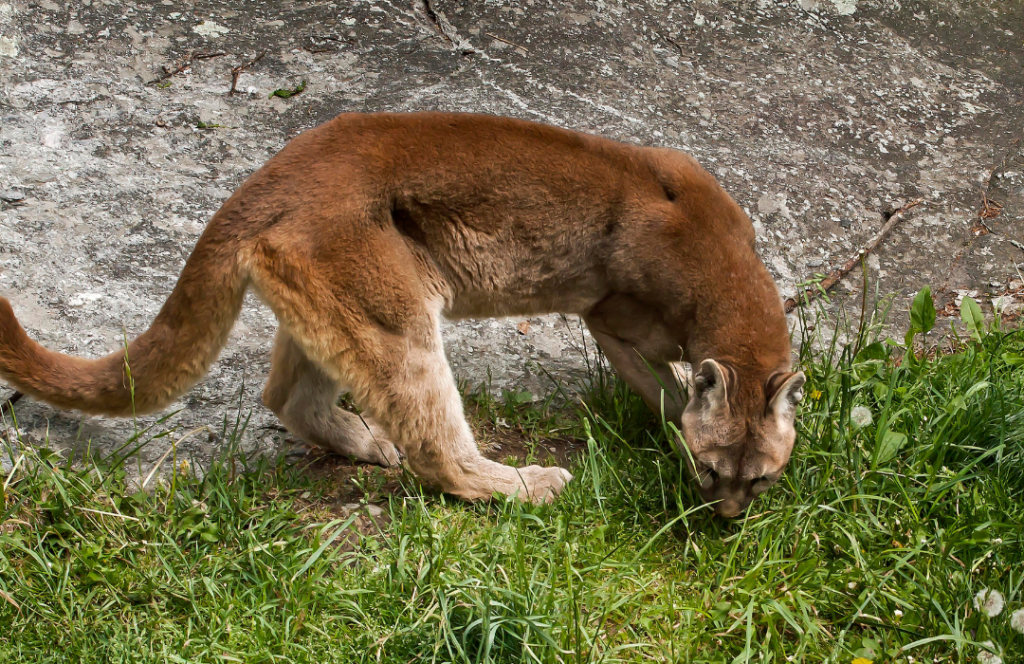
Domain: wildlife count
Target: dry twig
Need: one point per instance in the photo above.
(317, 42)
(510, 43)
(832, 279)
(989, 209)
(237, 71)
(10, 600)
(186, 63)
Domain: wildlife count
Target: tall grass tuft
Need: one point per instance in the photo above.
(899, 517)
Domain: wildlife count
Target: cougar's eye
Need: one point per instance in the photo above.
(708, 477)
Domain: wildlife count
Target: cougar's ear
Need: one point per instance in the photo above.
(711, 387)
(784, 391)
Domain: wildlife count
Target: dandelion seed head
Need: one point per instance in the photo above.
(1017, 620)
(860, 416)
(989, 601)
(987, 657)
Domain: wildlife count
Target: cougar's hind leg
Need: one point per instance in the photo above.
(305, 399)
(365, 307)
(407, 384)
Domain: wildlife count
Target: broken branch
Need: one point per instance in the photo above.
(832, 279)
(186, 62)
(237, 71)
(510, 43)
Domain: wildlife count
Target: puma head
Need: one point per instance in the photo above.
(739, 431)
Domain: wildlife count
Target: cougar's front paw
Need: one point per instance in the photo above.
(382, 452)
(542, 484)
(534, 484)
(379, 448)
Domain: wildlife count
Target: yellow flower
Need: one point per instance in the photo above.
(816, 394)
(861, 660)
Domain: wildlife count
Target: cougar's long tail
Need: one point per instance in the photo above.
(158, 366)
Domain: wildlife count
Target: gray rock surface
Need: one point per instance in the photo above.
(819, 116)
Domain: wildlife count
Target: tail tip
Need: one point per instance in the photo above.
(11, 333)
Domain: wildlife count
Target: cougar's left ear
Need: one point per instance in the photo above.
(711, 388)
(784, 391)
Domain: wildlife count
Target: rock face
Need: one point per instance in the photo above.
(120, 135)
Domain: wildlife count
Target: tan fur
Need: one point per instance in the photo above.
(362, 233)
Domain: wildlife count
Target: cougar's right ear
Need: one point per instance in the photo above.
(711, 388)
(786, 390)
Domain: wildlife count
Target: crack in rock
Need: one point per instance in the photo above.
(444, 26)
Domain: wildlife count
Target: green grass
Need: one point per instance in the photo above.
(873, 545)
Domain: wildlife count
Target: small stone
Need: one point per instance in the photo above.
(845, 7)
(210, 29)
(1004, 304)
(767, 204)
(11, 196)
(374, 511)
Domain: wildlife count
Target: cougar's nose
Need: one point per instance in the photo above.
(729, 507)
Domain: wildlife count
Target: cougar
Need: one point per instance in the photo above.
(364, 231)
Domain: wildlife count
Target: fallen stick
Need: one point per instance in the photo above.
(237, 71)
(832, 279)
(510, 43)
(186, 62)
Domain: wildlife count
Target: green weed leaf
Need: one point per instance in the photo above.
(870, 361)
(875, 351)
(890, 444)
(977, 387)
(974, 321)
(1013, 359)
(922, 311)
(284, 93)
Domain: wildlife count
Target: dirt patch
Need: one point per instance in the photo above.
(506, 444)
(346, 486)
